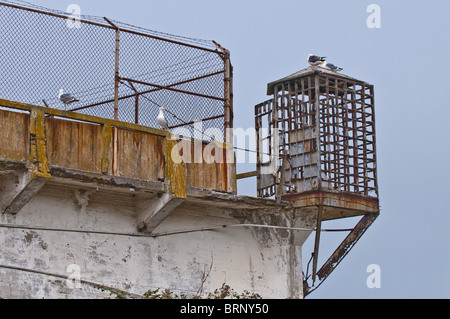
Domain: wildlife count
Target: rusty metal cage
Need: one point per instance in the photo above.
(321, 135)
(116, 70)
(317, 150)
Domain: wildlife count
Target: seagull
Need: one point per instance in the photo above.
(161, 120)
(330, 66)
(315, 59)
(67, 98)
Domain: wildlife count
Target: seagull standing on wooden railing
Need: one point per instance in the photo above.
(161, 119)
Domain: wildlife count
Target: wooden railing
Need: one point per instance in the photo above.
(43, 138)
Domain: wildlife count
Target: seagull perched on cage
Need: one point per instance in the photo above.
(67, 98)
(315, 59)
(330, 66)
(162, 120)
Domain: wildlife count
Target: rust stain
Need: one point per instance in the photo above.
(337, 205)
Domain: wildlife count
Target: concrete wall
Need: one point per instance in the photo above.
(66, 198)
(263, 261)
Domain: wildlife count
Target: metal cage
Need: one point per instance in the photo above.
(316, 147)
(319, 135)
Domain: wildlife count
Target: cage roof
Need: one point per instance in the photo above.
(311, 70)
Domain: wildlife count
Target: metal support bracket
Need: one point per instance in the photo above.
(343, 249)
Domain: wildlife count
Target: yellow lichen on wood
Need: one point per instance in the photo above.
(174, 169)
(38, 159)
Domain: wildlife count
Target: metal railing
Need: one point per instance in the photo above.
(115, 70)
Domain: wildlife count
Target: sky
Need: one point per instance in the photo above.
(406, 61)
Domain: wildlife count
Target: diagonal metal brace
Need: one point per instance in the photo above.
(343, 249)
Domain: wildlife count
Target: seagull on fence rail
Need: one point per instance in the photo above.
(315, 59)
(67, 98)
(161, 119)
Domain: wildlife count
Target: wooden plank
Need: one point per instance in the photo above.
(139, 155)
(14, 132)
(77, 145)
(82, 117)
(106, 149)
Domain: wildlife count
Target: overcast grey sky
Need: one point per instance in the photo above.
(406, 61)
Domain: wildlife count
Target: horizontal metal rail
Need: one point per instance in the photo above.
(173, 89)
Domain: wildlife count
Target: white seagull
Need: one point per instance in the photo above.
(67, 98)
(315, 59)
(161, 120)
(330, 66)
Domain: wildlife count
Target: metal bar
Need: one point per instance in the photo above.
(115, 142)
(175, 90)
(136, 103)
(317, 116)
(364, 143)
(317, 240)
(372, 108)
(246, 175)
(355, 143)
(326, 131)
(228, 115)
(136, 109)
(227, 91)
(346, 138)
(116, 70)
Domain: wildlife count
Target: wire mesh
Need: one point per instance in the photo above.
(40, 53)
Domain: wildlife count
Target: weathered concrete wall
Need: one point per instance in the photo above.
(263, 261)
(68, 197)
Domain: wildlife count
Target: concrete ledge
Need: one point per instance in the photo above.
(151, 216)
(28, 184)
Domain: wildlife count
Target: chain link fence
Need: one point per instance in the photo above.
(115, 70)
